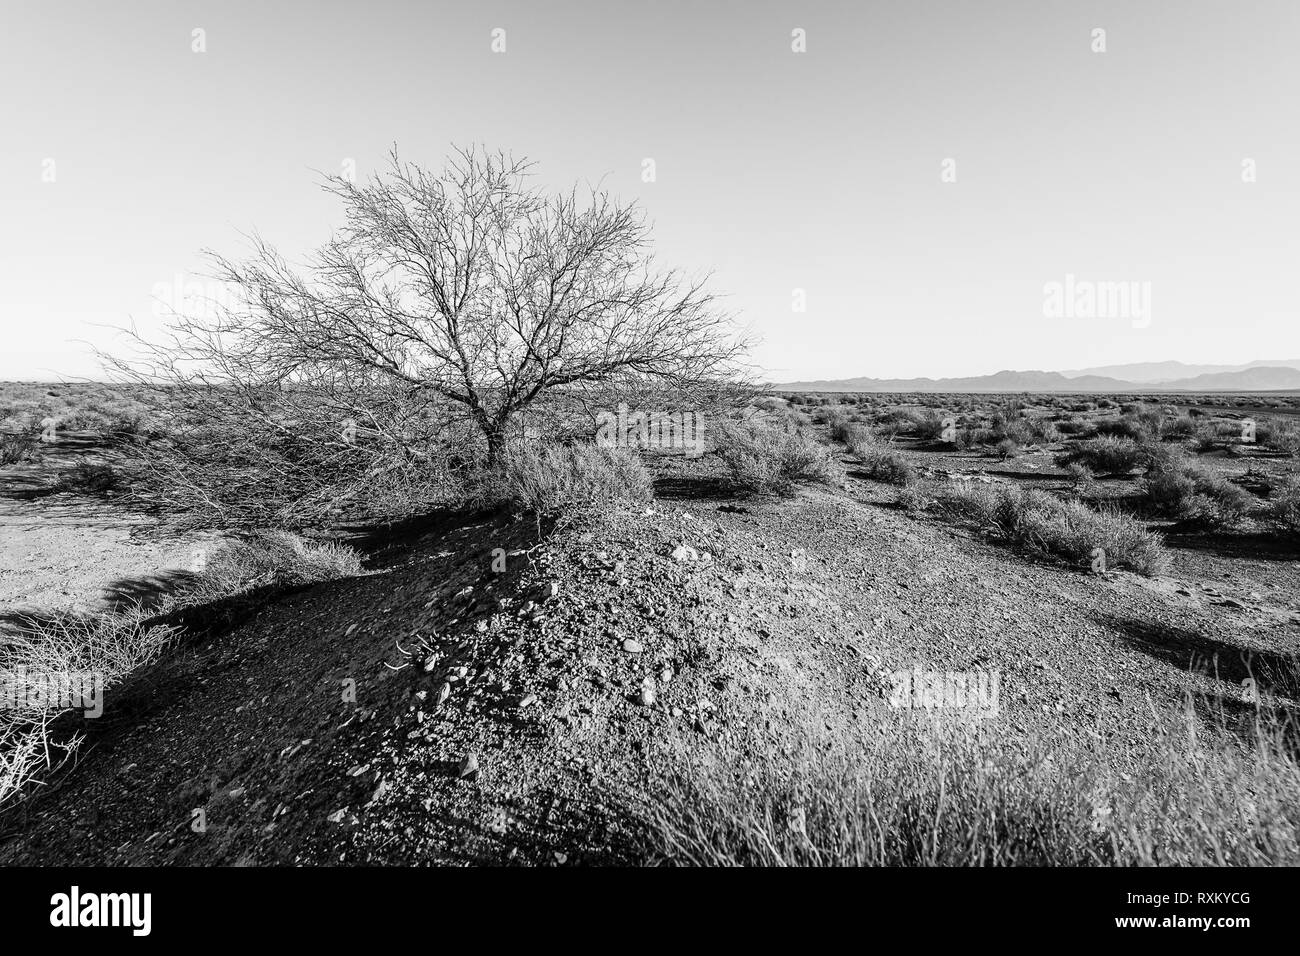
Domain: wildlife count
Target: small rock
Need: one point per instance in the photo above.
(632, 647)
(684, 554)
(469, 767)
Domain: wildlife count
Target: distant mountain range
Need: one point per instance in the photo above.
(1140, 377)
(1155, 373)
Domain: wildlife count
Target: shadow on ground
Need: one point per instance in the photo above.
(1189, 650)
(1260, 546)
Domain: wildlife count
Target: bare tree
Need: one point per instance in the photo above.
(473, 286)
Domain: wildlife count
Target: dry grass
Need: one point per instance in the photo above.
(112, 646)
(101, 647)
(569, 479)
(1284, 504)
(922, 794)
(267, 560)
(17, 447)
(1040, 522)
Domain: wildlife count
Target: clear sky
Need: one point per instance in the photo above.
(820, 171)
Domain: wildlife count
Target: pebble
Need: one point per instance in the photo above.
(684, 554)
(469, 767)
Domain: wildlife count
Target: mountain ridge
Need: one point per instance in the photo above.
(1253, 377)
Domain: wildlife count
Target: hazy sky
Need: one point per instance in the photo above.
(820, 171)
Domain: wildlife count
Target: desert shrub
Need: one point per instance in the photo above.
(912, 498)
(851, 433)
(1042, 431)
(85, 419)
(1081, 477)
(974, 437)
(125, 426)
(1279, 434)
(1106, 454)
(1197, 412)
(288, 458)
(88, 478)
(830, 417)
(1183, 489)
(1040, 522)
(1073, 427)
(763, 460)
(1126, 427)
(16, 448)
(882, 464)
(1007, 448)
(1230, 431)
(1284, 504)
(1206, 437)
(929, 427)
(926, 793)
(1151, 423)
(1179, 429)
(549, 479)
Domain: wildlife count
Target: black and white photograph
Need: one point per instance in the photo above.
(443, 442)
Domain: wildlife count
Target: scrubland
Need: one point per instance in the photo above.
(659, 658)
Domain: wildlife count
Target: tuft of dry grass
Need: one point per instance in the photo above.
(273, 559)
